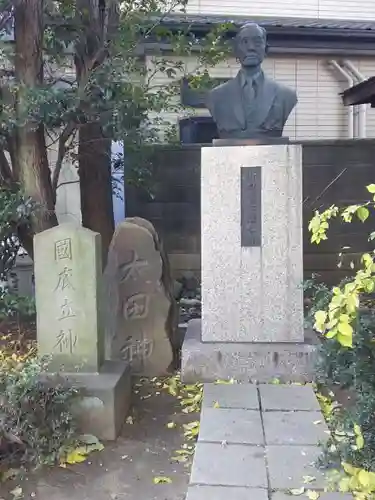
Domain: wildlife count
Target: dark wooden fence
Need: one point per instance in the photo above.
(334, 172)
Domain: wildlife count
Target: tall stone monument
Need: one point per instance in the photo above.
(139, 301)
(252, 249)
(70, 329)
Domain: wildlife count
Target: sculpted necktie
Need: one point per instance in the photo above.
(249, 99)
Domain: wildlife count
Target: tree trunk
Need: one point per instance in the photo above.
(94, 152)
(30, 167)
(94, 169)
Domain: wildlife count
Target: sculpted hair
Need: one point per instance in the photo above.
(262, 31)
(252, 25)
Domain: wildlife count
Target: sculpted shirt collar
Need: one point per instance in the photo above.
(255, 80)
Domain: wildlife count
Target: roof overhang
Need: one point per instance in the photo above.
(286, 35)
(363, 93)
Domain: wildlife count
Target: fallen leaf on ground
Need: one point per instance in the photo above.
(17, 492)
(297, 491)
(312, 495)
(308, 479)
(9, 474)
(78, 454)
(171, 425)
(162, 480)
(231, 381)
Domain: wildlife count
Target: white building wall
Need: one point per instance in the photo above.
(319, 113)
(319, 9)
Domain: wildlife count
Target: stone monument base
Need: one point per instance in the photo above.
(105, 401)
(245, 362)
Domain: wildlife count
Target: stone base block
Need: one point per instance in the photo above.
(106, 399)
(245, 362)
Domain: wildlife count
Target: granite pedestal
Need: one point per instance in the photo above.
(252, 270)
(246, 361)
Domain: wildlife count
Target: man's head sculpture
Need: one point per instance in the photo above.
(250, 45)
(251, 105)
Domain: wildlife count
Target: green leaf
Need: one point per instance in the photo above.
(363, 213)
(371, 188)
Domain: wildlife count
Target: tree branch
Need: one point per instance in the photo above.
(6, 14)
(6, 175)
(67, 132)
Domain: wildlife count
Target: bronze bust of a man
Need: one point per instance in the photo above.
(251, 105)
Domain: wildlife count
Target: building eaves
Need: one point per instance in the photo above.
(331, 37)
(363, 93)
(207, 21)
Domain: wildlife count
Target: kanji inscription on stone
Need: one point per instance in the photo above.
(136, 306)
(251, 206)
(132, 268)
(63, 249)
(66, 341)
(64, 280)
(67, 261)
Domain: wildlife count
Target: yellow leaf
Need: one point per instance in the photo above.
(162, 480)
(297, 491)
(344, 328)
(364, 478)
(231, 381)
(350, 469)
(371, 188)
(171, 425)
(76, 456)
(344, 340)
(344, 484)
(312, 495)
(367, 479)
(216, 405)
(362, 213)
(320, 320)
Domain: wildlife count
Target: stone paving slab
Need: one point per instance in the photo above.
(280, 495)
(231, 425)
(298, 427)
(230, 465)
(287, 465)
(227, 493)
(288, 398)
(243, 396)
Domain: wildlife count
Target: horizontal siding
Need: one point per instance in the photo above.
(323, 9)
(347, 9)
(319, 113)
(305, 8)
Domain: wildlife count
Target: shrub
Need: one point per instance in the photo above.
(17, 307)
(36, 422)
(346, 319)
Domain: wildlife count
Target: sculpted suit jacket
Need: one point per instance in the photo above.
(267, 115)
